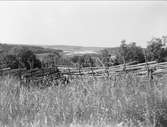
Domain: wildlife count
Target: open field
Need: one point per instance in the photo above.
(86, 102)
(75, 50)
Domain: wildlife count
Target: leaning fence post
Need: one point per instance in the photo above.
(146, 63)
(69, 73)
(80, 72)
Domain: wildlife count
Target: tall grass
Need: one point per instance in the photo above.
(85, 102)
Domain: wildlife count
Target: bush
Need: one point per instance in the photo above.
(84, 61)
(129, 53)
(156, 50)
(28, 59)
(11, 61)
(23, 58)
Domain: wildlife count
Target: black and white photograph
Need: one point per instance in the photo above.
(83, 63)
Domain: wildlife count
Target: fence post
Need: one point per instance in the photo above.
(146, 63)
(80, 72)
(107, 70)
(69, 73)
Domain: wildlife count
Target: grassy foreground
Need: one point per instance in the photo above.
(86, 102)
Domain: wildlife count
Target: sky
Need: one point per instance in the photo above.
(82, 23)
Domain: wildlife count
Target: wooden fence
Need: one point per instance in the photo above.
(58, 72)
(140, 69)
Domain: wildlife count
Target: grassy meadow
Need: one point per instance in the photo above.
(125, 100)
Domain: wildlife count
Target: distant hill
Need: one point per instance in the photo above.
(6, 48)
(78, 50)
(74, 48)
(62, 49)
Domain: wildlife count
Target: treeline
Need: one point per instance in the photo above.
(130, 53)
(28, 57)
(22, 56)
(156, 50)
(10, 48)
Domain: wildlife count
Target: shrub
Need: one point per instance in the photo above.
(11, 61)
(156, 50)
(23, 58)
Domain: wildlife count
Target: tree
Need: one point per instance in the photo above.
(156, 49)
(129, 53)
(88, 61)
(37, 63)
(28, 59)
(123, 50)
(11, 61)
(135, 53)
(75, 59)
(108, 57)
(21, 57)
(105, 53)
(84, 61)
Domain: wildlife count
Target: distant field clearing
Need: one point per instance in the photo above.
(80, 52)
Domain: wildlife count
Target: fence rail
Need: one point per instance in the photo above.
(57, 72)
